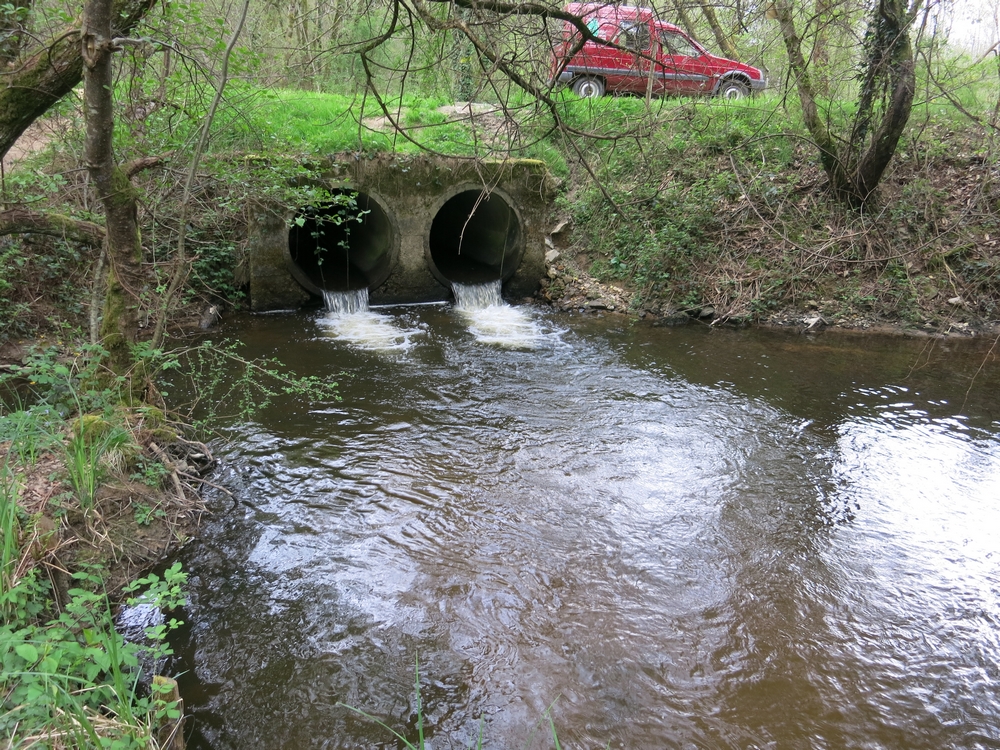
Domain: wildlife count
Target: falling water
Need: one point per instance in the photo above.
(491, 320)
(470, 297)
(349, 319)
(346, 303)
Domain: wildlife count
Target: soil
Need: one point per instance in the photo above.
(569, 286)
(130, 527)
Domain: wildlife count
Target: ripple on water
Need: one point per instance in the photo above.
(676, 560)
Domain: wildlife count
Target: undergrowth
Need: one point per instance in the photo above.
(726, 207)
(93, 492)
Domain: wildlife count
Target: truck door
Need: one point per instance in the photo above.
(681, 64)
(631, 65)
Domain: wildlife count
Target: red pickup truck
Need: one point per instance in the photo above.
(649, 56)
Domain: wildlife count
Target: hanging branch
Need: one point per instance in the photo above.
(181, 266)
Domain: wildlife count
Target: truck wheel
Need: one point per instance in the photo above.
(733, 89)
(589, 88)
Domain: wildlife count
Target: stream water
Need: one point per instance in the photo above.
(658, 537)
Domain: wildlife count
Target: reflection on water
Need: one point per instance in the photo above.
(673, 537)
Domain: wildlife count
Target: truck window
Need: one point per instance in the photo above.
(570, 32)
(634, 36)
(679, 45)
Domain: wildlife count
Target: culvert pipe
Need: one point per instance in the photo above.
(342, 246)
(475, 237)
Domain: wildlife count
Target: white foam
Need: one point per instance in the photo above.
(493, 321)
(348, 319)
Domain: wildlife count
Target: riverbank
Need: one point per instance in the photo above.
(720, 230)
(93, 495)
(570, 287)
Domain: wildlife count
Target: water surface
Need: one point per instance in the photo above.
(664, 538)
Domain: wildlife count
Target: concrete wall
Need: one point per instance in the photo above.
(504, 238)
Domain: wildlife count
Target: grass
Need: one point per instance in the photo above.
(67, 678)
(322, 123)
(94, 444)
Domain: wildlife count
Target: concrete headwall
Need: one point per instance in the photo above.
(427, 222)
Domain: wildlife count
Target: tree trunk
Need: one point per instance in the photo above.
(120, 323)
(685, 19)
(46, 74)
(887, 88)
(23, 221)
(803, 83)
(855, 164)
(820, 58)
(724, 42)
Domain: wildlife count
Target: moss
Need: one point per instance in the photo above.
(90, 426)
(163, 435)
(123, 192)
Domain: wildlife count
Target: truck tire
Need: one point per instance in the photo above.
(733, 89)
(588, 88)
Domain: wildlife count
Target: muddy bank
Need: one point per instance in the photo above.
(569, 286)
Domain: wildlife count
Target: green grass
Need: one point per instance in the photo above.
(70, 680)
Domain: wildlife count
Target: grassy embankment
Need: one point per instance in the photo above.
(721, 210)
(85, 503)
(724, 207)
(698, 205)
(95, 490)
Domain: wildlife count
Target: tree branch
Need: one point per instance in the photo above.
(23, 221)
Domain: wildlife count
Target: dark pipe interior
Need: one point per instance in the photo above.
(341, 247)
(475, 238)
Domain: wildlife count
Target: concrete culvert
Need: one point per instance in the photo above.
(475, 237)
(342, 246)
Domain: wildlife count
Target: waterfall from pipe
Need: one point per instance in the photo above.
(346, 303)
(493, 321)
(349, 319)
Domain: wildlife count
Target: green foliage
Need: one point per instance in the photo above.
(26, 187)
(145, 514)
(30, 432)
(72, 675)
(89, 443)
(32, 271)
(212, 270)
(67, 678)
(151, 473)
(228, 385)
(64, 382)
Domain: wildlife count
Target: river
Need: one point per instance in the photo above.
(654, 537)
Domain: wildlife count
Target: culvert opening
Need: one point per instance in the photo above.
(342, 246)
(475, 238)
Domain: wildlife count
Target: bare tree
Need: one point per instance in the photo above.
(721, 38)
(855, 162)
